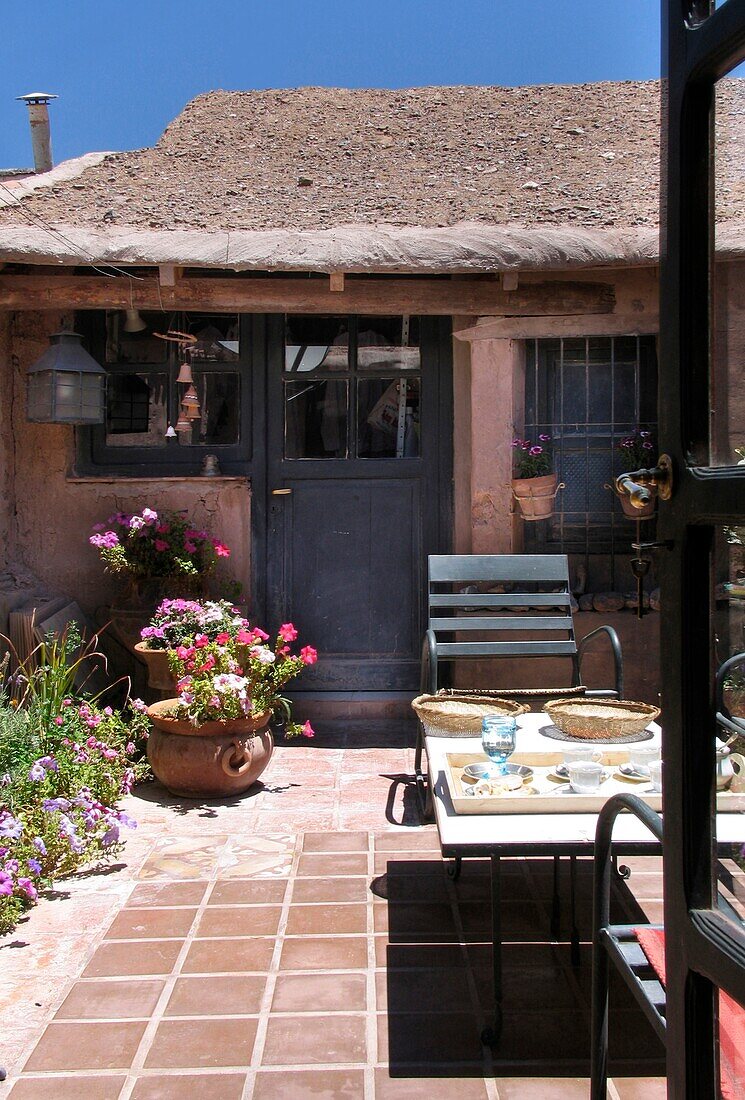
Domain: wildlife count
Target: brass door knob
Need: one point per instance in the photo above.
(640, 486)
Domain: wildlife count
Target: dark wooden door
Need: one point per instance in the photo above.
(358, 476)
(701, 427)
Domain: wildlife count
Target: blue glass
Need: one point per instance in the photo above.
(498, 734)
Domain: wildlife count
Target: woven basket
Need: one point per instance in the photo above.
(460, 715)
(600, 719)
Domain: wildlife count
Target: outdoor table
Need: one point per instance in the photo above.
(493, 835)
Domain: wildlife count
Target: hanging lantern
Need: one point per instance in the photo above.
(66, 385)
(184, 375)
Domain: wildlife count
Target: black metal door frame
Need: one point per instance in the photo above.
(704, 950)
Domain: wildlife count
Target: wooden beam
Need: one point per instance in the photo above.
(336, 282)
(510, 280)
(367, 296)
(535, 328)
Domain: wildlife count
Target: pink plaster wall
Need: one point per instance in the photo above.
(54, 512)
(6, 444)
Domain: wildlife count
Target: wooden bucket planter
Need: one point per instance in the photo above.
(214, 760)
(536, 495)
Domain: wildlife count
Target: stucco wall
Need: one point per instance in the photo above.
(6, 444)
(54, 512)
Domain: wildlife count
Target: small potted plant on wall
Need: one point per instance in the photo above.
(637, 451)
(534, 484)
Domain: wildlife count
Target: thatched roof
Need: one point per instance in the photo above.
(442, 178)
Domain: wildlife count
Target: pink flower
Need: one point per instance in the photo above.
(223, 638)
(129, 748)
(59, 720)
(245, 637)
(184, 653)
(161, 545)
(287, 632)
(307, 730)
(215, 701)
(284, 651)
(189, 547)
(259, 633)
(308, 655)
(535, 451)
(201, 640)
(163, 528)
(221, 549)
(139, 706)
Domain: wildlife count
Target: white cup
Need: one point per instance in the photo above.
(585, 776)
(573, 754)
(655, 774)
(642, 756)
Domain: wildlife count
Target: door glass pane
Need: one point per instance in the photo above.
(215, 338)
(729, 632)
(316, 418)
(137, 409)
(130, 336)
(388, 418)
(385, 343)
(316, 343)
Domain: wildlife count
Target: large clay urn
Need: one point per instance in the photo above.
(214, 760)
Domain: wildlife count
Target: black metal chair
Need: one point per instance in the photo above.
(530, 616)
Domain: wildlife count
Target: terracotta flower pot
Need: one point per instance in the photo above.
(214, 760)
(536, 495)
(635, 513)
(159, 675)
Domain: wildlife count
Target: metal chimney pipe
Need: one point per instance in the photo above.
(38, 117)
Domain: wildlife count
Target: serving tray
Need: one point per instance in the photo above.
(551, 797)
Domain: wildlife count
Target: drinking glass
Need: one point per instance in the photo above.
(498, 733)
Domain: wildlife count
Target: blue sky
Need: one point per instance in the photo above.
(124, 68)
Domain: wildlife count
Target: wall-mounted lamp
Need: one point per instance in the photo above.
(66, 385)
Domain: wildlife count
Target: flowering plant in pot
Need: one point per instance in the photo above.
(534, 484)
(637, 451)
(154, 544)
(212, 738)
(177, 623)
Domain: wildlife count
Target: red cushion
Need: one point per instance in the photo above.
(731, 1019)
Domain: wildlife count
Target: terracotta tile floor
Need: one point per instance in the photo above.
(238, 950)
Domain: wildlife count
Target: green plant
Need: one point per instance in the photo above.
(532, 459)
(238, 675)
(178, 622)
(152, 544)
(637, 449)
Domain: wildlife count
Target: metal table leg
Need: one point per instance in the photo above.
(556, 902)
(490, 1036)
(574, 954)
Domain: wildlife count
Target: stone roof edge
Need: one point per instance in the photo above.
(460, 249)
(61, 173)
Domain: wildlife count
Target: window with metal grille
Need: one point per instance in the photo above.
(588, 394)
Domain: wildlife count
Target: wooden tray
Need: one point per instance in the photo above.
(552, 797)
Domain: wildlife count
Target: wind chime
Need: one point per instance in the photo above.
(189, 408)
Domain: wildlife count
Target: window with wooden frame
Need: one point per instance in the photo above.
(154, 361)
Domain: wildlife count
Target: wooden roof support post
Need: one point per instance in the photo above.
(510, 280)
(336, 282)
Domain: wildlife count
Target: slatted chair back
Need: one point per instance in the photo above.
(530, 617)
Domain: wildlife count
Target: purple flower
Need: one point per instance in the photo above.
(51, 805)
(6, 884)
(9, 826)
(647, 446)
(49, 763)
(110, 836)
(124, 819)
(5, 779)
(37, 772)
(107, 541)
(28, 888)
(545, 438)
(34, 865)
(12, 866)
(39, 845)
(535, 451)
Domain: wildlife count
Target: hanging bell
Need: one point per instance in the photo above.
(184, 375)
(192, 412)
(183, 424)
(190, 398)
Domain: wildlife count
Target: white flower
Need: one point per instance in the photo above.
(263, 655)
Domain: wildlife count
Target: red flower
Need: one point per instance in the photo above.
(183, 653)
(287, 632)
(221, 549)
(223, 639)
(308, 655)
(201, 640)
(161, 545)
(246, 637)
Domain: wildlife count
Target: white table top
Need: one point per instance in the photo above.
(525, 834)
